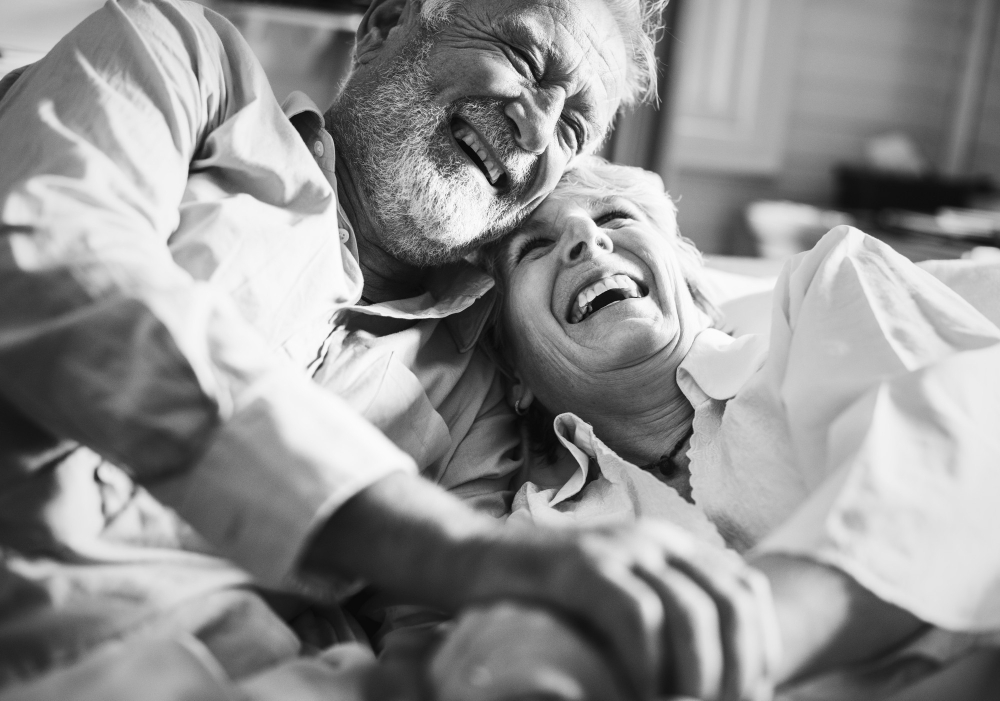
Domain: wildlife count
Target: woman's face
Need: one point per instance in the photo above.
(595, 295)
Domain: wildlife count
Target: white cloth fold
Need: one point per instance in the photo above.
(596, 487)
(867, 437)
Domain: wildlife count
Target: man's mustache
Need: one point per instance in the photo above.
(488, 118)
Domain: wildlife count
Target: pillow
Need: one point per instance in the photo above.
(743, 287)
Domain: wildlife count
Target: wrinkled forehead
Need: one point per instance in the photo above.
(581, 43)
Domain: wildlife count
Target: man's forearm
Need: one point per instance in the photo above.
(828, 620)
(407, 536)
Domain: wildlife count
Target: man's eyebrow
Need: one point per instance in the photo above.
(520, 30)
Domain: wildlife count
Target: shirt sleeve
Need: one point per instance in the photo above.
(481, 465)
(105, 340)
(892, 393)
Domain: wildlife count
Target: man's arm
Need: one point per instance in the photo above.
(105, 340)
(676, 615)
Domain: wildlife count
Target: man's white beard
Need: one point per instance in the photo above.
(428, 206)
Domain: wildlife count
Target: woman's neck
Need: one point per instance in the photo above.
(644, 425)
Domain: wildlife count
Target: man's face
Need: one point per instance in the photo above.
(456, 135)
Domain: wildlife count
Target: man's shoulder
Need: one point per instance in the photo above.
(188, 30)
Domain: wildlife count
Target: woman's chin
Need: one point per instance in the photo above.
(632, 340)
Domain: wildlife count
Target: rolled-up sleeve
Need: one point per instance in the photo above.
(105, 340)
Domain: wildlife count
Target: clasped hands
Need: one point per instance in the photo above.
(646, 611)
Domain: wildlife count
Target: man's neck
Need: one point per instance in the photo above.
(386, 277)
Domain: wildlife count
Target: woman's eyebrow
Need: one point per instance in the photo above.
(604, 202)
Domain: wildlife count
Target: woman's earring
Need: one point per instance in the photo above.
(517, 408)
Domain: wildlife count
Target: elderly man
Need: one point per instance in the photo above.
(179, 259)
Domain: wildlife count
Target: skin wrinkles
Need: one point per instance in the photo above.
(616, 369)
(562, 69)
(476, 67)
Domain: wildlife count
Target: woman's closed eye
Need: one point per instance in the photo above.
(615, 218)
(530, 244)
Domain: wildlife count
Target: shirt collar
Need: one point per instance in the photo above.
(308, 121)
(718, 365)
(299, 105)
(459, 293)
(577, 436)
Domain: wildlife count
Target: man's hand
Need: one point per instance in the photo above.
(678, 616)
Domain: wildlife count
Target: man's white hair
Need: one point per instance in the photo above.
(641, 24)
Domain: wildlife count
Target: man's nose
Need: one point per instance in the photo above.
(535, 115)
(585, 241)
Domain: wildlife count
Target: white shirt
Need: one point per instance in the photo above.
(174, 267)
(864, 434)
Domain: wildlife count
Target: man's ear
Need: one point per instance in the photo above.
(381, 18)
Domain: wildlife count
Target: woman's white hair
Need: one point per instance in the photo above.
(594, 177)
(641, 24)
(591, 176)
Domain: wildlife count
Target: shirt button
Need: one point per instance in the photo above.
(344, 236)
(318, 149)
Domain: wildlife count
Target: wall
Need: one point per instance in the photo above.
(863, 67)
(986, 156)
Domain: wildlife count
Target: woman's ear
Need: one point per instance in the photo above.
(380, 19)
(520, 396)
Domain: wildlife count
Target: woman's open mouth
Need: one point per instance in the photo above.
(603, 293)
(479, 152)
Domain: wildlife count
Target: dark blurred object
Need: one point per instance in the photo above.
(331, 5)
(866, 189)
(973, 225)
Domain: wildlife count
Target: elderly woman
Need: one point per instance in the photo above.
(856, 452)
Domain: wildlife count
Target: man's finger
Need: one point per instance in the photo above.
(631, 616)
(741, 602)
(747, 647)
(691, 634)
(770, 633)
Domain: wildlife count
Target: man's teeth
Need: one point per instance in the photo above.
(471, 139)
(584, 307)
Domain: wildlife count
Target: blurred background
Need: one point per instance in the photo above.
(778, 118)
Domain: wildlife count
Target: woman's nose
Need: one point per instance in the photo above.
(535, 116)
(586, 241)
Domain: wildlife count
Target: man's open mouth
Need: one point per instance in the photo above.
(479, 152)
(603, 293)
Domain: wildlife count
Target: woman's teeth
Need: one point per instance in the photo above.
(621, 286)
(470, 138)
